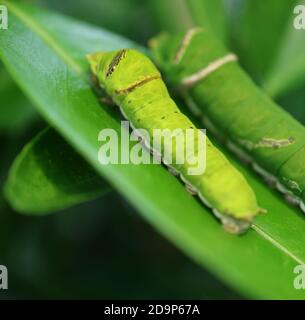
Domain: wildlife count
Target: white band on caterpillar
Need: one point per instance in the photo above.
(203, 73)
(185, 43)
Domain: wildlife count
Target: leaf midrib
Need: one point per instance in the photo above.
(276, 244)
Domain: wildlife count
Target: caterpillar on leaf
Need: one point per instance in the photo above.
(135, 85)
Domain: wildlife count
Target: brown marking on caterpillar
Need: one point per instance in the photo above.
(137, 84)
(184, 44)
(115, 62)
(204, 72)
(267, 143)
(276, 144)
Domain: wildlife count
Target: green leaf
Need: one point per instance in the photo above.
(287, 71)
(16, 111)
(45, 54)
(269, 46)
(259, 28)
(48, 175)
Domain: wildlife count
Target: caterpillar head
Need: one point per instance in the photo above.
(99, 62)
(119, 70)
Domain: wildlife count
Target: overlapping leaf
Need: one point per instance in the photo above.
(48, 175)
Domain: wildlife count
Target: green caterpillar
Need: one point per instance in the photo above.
(133, 83)
(255, 127)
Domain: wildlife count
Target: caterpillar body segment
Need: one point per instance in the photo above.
(135, 85)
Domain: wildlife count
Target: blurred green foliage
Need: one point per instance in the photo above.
(49, 175)
(16, 110)
(130, 18)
